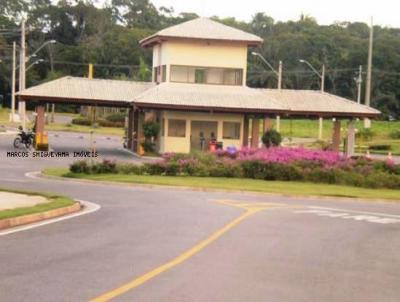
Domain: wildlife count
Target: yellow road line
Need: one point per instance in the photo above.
(181, 258)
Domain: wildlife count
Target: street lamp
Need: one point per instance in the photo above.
(34, 63)
(37, 50)
(322, 77)
(277, 73)
(22, 70)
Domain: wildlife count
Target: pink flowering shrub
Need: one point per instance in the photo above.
(276, 163)
(289, 155)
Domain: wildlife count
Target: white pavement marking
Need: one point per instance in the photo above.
(355, 211)
(33, 174)
(344, 214)
(89, 207)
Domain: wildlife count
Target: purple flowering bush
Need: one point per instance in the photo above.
(276, 163)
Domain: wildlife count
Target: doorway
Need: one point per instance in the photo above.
(201, 133)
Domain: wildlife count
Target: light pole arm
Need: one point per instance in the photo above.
(266, 62)
(37, 50)
(312, 68)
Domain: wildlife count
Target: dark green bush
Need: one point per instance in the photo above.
(106, 123)
(271, 171)
(81, 121)
(80, 166)
(227, 170)
(172, 169)
(253, 169)
(116, 117)
(271, 138)
(382, 180)
(150, 129)
(382, 147)
(157, 168)
(128, 168)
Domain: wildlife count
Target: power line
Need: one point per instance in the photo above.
(94, 64)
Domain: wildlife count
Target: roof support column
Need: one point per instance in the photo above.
(278, 123)
(40, 118)
(351, 131)
(267, 124)
(336, 135)
(139, 120)
(255, 132)
(320, 127)
(246, 125)
(129, 132)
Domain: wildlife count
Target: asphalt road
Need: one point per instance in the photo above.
(285, 249)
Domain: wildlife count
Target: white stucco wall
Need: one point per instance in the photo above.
(182, 144)
(201, 53)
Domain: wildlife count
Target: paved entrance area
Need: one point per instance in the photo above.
(161, 244)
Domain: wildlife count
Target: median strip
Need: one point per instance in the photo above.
(20, 208)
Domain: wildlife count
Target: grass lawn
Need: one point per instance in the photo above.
(309, 129)
(280, 187)
(55, 202)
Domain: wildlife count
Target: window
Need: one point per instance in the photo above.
(206, 75)
(176, 128)
(160, 73)
(233, 77)
(199, 76)
(179, 74)
(231, 130)
(163, 73)
(155, 74)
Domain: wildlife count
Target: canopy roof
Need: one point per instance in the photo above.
(87, 91)
(204, 29)
(202, 97)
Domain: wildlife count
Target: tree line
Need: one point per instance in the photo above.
(108, 37)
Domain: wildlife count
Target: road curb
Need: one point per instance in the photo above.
(37, 217)
(185, 188)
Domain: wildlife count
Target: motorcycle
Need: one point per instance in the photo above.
(23, 138)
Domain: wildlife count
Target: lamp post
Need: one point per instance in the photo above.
(34, 63)
(23, 69)
(359, 83)
(277, 73)
(320, 75)
(322, 78)
(41, 46)
(279, 76)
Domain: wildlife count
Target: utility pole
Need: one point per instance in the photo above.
(321, 120)
(367, 122)
(278, 118)
(280, 75)
(22, 107)
(323, 78)
(359, 83)
(13, 82)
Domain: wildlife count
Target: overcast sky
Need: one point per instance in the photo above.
(385, 12)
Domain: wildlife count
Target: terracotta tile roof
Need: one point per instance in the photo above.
(209, 96)
(251, 99)
(197, 96)
(316, 101)
(88, 89)
(204, 28)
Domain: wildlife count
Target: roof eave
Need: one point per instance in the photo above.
(156, 39)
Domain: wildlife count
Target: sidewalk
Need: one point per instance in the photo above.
(16, 200)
